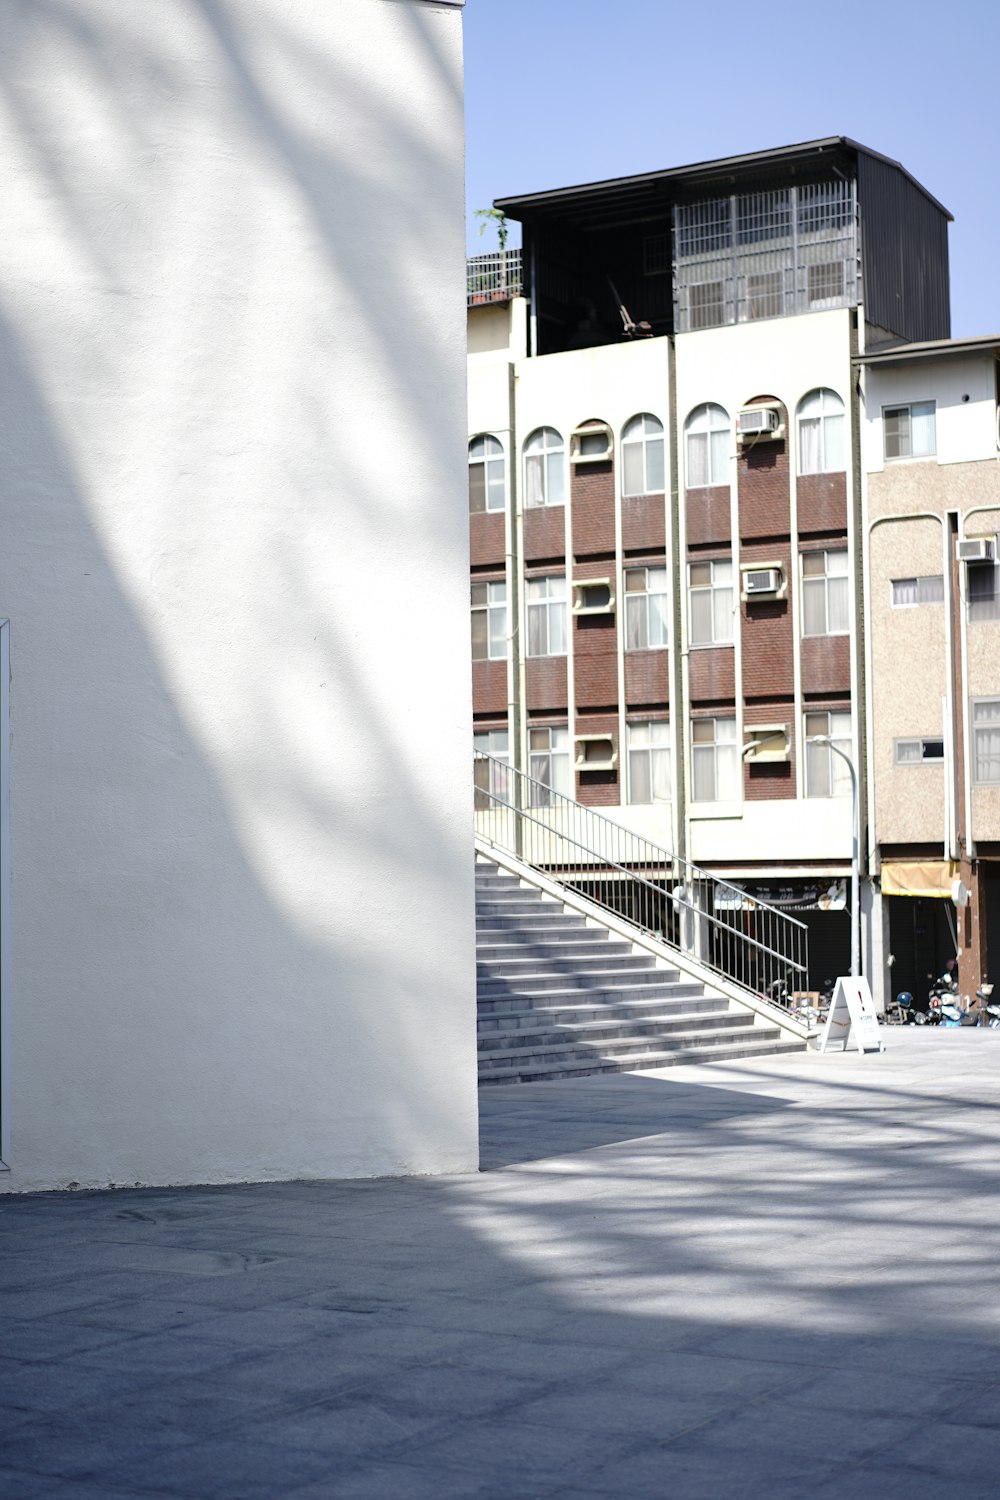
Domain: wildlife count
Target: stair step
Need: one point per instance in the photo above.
(560, 995)
(532, 1073)
(534, 981)
(657, 1028)
(514, 1010)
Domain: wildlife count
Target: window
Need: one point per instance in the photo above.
(487, 490)
(489, 621)
(714, 761)
(708, 442)
(642, 456)
(826, 283)
(821, 433)
(646, 608)
(706, 301)
(918, 752)
(909, 431)
(548, 763)
(909, 591)
(824, 593)
(490, 776)
(827, 775)
(544, 468)
(710, 597)
(983, 592)
(546, 599)
(986, 741)
(649, 761)
(765, 294)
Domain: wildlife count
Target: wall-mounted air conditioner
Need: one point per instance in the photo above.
(978, 550)
(765, 581)
(595, 752)
(591, 444)
(759, 423)
(593, 596)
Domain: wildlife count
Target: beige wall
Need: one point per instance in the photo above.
(908, 646)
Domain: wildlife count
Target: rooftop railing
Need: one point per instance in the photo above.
(493, 278)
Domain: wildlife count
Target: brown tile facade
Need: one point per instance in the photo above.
(544, 533)
(592, 489)
(766, 626)
(644, 524)
(486, 539)
(647, 679)
(826, 665)
(707, 517)
(822, 504)
(712, 675)
(545, 683)
(770, 781)
(489, 687)
(598, 788)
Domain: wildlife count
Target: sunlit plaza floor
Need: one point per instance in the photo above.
(776, 1278)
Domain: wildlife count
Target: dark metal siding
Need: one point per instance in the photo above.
(904, 250)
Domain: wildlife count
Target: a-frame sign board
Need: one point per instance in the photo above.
(852, 1017)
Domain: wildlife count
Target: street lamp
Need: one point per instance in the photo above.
(824, 739)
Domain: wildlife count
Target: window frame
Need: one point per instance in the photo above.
(713, 589)
(699, 747)
(551, 754)
(544, 452)
(824, 420)
(826, 577)
(644, 442)
(837, 775)
(496, 779)
(653, 755)
(916, 579)
(490, 609)
(486, 461)
(693, 429)
(908, 407)
(645, 595)
(545, 605)
(921, 741)
(990, 700)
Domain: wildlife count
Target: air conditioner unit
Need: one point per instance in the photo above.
(762, 581)
(981, 550)
(759, 422)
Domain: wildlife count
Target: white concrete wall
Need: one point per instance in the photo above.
(964, 390)
(234, 563)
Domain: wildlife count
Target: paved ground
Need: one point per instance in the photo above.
(770, 1279)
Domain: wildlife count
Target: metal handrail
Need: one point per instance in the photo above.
(495, 277)
(753, 944)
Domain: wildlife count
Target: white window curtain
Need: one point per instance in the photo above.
(986, 731)
(544, 468)
(642, 456)
(821, 433)
(708, 439)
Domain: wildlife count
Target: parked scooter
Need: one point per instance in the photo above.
(909, 1011)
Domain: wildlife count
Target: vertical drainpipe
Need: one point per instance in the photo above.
(533, 297)
(859, 676)
(678, 661)
(515, 670)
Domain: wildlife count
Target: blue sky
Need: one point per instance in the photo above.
(564, 91)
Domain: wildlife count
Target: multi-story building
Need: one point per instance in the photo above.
(665, 500)
(931, 446)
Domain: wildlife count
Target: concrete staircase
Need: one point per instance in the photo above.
(559, 996)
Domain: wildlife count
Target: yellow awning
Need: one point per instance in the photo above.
(919, 877)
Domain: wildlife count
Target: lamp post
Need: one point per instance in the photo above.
(824, 739)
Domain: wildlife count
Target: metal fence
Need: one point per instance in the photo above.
(757, 946)
(493, 278)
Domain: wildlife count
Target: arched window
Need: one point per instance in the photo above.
(642, 456)
(821, 433)
(545, 468)
(486, 474)
(708, 434)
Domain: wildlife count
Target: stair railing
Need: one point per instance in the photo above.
(755, 945)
